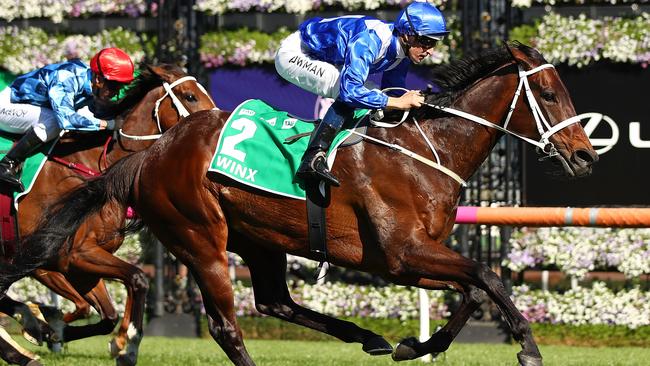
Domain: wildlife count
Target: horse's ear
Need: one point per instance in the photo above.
(509, 48)
(515, 50)
(161, 72)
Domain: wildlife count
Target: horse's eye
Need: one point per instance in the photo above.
(548, 96)
(190, 98)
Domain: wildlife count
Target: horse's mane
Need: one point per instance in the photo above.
(454, 77)
(142, 84)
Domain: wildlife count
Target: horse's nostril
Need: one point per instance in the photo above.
(584, 157)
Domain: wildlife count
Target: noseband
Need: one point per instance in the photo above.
(169, 92)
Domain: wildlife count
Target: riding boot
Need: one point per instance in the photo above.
(11, 164)
(314, 162)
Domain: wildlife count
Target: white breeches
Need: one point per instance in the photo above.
(18, 118)
(294, 64)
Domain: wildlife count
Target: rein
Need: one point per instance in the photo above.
(543, 127)
(182, 111)
(169, 92)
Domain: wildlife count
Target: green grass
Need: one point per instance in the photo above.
(156, 351)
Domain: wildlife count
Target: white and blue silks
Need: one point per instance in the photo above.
(51, 98)
(333, 57)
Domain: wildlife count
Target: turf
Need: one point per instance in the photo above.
(156, 351)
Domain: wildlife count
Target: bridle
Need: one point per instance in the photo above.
(543, 127)
(169, 92)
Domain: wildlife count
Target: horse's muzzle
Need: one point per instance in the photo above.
(581, 162)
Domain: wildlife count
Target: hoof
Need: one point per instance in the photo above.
(55, 347)
(33, 363)
(527, 360)
(405, 350)
(113, 348)
(377, 346)
(128, 359)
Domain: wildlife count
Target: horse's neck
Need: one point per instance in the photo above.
(139, 122)
(466, 144)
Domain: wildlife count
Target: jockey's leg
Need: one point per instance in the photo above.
(314, 162)
(44, 130)
(11, 164)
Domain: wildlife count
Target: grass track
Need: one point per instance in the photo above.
(156, 351)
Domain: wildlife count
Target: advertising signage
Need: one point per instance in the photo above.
(620, 132)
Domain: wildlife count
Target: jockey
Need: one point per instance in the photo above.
(333, 57)
(63, 96)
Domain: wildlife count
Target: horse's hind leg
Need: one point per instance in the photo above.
(96, 262)
(439, 262)
(204, 253)
(268, 274)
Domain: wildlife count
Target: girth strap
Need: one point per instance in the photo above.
(317, 201)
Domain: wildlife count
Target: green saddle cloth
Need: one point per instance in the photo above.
(32, 165)
(252, 148)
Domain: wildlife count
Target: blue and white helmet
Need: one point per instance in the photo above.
(422, 19)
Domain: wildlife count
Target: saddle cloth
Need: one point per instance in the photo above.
(32, 166)
(252, 149)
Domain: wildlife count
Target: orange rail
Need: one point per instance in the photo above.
(554, 216)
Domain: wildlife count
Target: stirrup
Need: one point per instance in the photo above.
(13, 183)
(9, 175)
(320, 168)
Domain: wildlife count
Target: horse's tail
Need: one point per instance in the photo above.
(60, 222)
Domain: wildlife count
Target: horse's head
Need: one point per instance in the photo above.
(159, 98)
(544, 113)
(181, 95)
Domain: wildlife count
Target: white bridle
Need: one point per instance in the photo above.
(182, 111)
(543, 127)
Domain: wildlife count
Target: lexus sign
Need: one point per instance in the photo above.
(619, 130)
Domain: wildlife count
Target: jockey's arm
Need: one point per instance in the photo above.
(61, 93)
(362, 51)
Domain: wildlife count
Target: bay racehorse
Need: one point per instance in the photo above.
(158, 99)
(390, 216)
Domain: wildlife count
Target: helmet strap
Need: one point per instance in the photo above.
(406, 45)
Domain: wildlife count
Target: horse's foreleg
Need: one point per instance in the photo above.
(411, 348)
(13, 353)
(56, 282)
(99, 299)
(272, 297)
(98, 262)
(34, 329)
(439, 262)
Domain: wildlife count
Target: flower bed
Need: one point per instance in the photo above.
(576, 251)
(345, 300)
(213, 7)
(57, 10)
(23, 50)
(579, 41)
(529, 3)
(594, 306)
